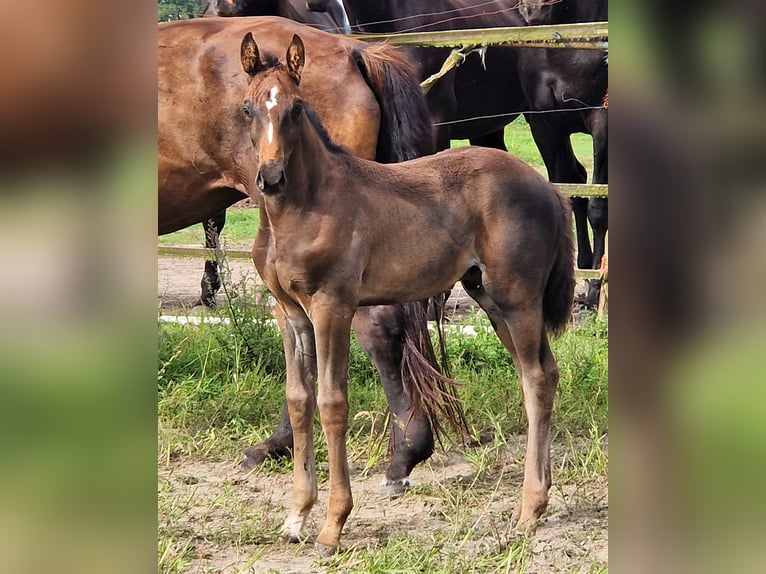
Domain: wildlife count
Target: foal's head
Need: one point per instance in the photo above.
(272, 107)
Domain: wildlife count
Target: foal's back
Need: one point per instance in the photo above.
(428, 220)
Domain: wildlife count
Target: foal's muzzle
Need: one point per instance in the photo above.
(271, 179)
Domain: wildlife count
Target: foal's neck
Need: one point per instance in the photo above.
(306, 172)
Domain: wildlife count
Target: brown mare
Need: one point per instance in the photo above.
(207, 162)
(330, 17)
(373, 234)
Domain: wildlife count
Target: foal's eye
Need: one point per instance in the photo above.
(247, 109)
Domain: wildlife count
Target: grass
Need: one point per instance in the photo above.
(220, 388)
(241, 224)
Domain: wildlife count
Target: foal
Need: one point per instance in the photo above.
(338, 232)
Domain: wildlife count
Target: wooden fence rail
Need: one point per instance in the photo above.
(182, 251)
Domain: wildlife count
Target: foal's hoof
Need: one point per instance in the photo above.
(524, 525)
(394, 488)
(290, 538)
(324, 550)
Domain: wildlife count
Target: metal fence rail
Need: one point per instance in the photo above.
(586, 35)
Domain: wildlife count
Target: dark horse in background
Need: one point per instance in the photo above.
(576, 81)
(371, 103)
(381, 233)
(328, 16)
(489, 90)
(474, 101)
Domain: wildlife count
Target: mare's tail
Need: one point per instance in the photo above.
(405, 128)
(559, 290)
(427, 383)
(405, 133)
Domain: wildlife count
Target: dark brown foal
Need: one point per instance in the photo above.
(339, 232)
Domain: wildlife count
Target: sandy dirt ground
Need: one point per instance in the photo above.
(573, 536)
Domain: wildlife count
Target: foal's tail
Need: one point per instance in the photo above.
(559, 290)
(405, 128)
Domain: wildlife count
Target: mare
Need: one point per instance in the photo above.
(328, 16)
(370, 102)
(494, 87)
(575, 81)
(383, 233)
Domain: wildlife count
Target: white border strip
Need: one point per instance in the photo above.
(467, 330)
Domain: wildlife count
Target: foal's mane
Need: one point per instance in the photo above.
(317, 124)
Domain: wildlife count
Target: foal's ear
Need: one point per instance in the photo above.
(296, 57)
(249, 55)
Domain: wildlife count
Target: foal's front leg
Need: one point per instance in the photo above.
(300, 359)
(332, 329)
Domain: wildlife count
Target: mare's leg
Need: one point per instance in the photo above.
(598, 207)
(331, 317)
(441, 101)
(516, 313)
(300, 360)
(279, 444)
(552, 139)
(379, 330)
(495, 140)
(211, 281)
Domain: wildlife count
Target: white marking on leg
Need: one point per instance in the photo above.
(292, 527)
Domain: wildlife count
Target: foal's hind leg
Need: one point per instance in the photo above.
(518, 322)
(379, 330)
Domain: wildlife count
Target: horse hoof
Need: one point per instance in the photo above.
(254, 457)
(206, 302)
(394, 488)
(526, 528)
(324, 550)
(290, 538)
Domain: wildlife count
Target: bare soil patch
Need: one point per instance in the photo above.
(571, 538)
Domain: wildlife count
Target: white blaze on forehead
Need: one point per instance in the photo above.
(270, 103)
